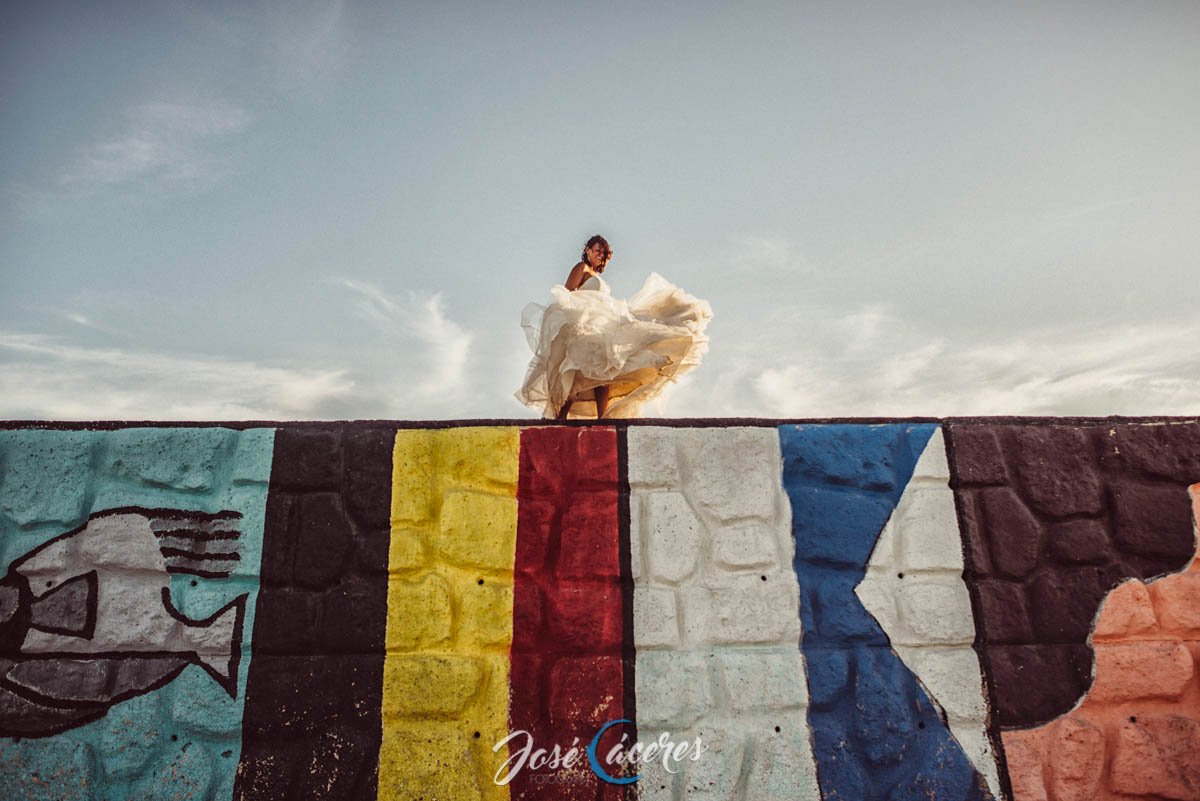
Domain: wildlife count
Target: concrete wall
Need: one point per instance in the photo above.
(967, 609)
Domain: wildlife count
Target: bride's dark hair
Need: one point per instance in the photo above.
(591, 243)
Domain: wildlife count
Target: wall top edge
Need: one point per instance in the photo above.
(106, 425)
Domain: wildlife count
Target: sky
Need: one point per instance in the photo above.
(292, 210)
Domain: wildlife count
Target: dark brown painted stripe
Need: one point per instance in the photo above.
(312, 723)
(198, 534)
(1053, 518)
(971, 571)
(199, 556)
(625, 545)
(197, 571)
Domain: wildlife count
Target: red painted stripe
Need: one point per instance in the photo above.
(567, 675)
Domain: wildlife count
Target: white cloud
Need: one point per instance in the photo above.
(414, 331)
(306, 46)
(82, 319)
(295, 49)
(412, 360)
(1083, 370)
(757, 254)
(46, 378)
(837, 351)
(409, 360)
(162, 146)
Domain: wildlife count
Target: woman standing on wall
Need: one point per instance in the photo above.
(599, 356)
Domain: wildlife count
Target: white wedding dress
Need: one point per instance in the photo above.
(587, 338)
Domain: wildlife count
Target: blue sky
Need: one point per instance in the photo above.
(291, 210)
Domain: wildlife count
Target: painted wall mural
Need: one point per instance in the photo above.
(131, 562)
(73, 657)
(962, 609)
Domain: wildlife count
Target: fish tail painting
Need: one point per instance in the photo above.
(215, 642)
(964, 610)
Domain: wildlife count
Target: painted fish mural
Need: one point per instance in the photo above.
(87, 619)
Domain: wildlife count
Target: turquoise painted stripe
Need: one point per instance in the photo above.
(184, 738)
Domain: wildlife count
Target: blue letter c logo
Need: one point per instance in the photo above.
(591, 753)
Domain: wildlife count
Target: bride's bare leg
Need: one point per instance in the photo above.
(601, 395)
(566, 407)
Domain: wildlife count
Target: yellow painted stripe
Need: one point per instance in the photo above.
(449, 623)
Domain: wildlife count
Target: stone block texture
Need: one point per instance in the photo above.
(123, 662)
(1056, 516)
(449, 619)
(968, 609)
(716, 613)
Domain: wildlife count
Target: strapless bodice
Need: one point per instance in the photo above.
(595, 283)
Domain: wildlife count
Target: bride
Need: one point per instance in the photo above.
(599, 356)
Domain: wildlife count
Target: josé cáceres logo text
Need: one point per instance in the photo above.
(618, 763)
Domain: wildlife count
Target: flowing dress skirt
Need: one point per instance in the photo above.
(587, 338)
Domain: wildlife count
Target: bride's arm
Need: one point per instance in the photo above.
(577, 277)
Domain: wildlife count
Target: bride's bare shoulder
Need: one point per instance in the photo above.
(579, 274)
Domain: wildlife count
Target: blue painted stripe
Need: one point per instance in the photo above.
(876, 735)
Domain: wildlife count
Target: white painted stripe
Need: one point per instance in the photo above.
(716, 614)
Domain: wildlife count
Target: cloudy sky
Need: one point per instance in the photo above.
(278, 210)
